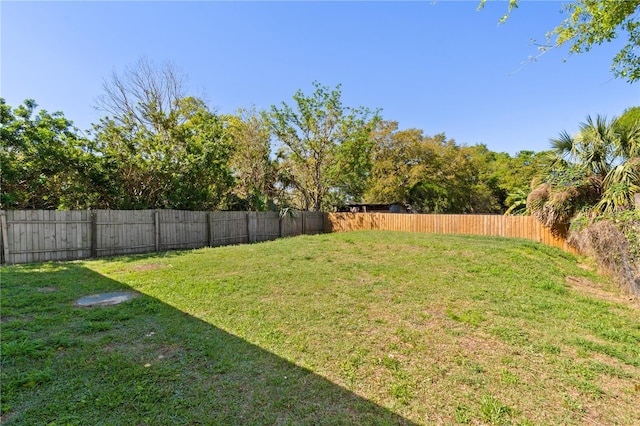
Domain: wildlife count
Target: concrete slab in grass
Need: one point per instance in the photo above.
(105, 299)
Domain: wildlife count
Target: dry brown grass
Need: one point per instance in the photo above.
(604, 242)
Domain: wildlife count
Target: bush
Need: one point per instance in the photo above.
(613, 240)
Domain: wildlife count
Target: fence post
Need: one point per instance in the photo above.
(5, 238)
(304, 222)
(251, 223)
(209, 230)
(156, 228)
(94, 234)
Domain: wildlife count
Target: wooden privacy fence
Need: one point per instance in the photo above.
(43, 235)
(490, 225)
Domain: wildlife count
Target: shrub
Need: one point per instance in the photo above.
(613, 240)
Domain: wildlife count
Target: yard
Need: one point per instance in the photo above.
(346, 328)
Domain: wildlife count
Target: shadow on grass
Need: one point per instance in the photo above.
(144, 362)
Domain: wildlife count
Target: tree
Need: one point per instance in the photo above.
(513, 177)
(184, 166)
(143, 96)
(159, 148)
(629, 118)
(325, 146)
(485, 194)
(254, 170)
(44, 161)
(398, 165)
(598, 169)
(433, 174)
(593, 22)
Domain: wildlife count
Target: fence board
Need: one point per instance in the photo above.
(3, 237)
(291, 225)
(181, 229)
(267, 226)
(20, 238)
(229, 228)
(314, 222)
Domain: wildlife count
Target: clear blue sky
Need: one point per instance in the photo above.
(438, 66)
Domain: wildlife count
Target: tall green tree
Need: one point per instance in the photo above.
(629, 118)
(255, 171)
(593, 22)
(44, 161)
(159, 148)
(183, 166)
(433, 174)
(514, 177)
(325, 146)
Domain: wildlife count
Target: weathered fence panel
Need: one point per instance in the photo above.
(228, 228)
(291, 224)
(313, 223)
(181, 229)
(526, 227)
(121, 232)
(42, 235)
(263, 226)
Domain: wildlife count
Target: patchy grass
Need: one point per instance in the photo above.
(357, 328)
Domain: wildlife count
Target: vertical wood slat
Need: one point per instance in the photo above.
(94, 234)
(5, 238)
(21, 233)
(156, 230)
(14, 236)
(33, 234)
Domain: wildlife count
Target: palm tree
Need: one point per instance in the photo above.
(609, 154)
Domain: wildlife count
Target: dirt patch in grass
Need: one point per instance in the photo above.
(47, 289)
(5, 417)
(584, 285)
(148, 267)
(10, 318)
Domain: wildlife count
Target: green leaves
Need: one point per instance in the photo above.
(325, 146)
(44, 163)
(597, 170)
(593, 22)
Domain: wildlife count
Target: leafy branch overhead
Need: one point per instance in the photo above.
(589, 23)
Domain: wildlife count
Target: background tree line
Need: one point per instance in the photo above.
(157, 147)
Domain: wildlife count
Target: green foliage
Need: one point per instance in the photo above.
(255, 173)
(159, 148)
(435, 175)
(593, 22)
(45, 162)
(517, 202)
(629, 118)
(181, 163)
(325, 146)
(598, 170)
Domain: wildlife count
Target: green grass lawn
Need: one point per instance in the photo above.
(351, 328)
